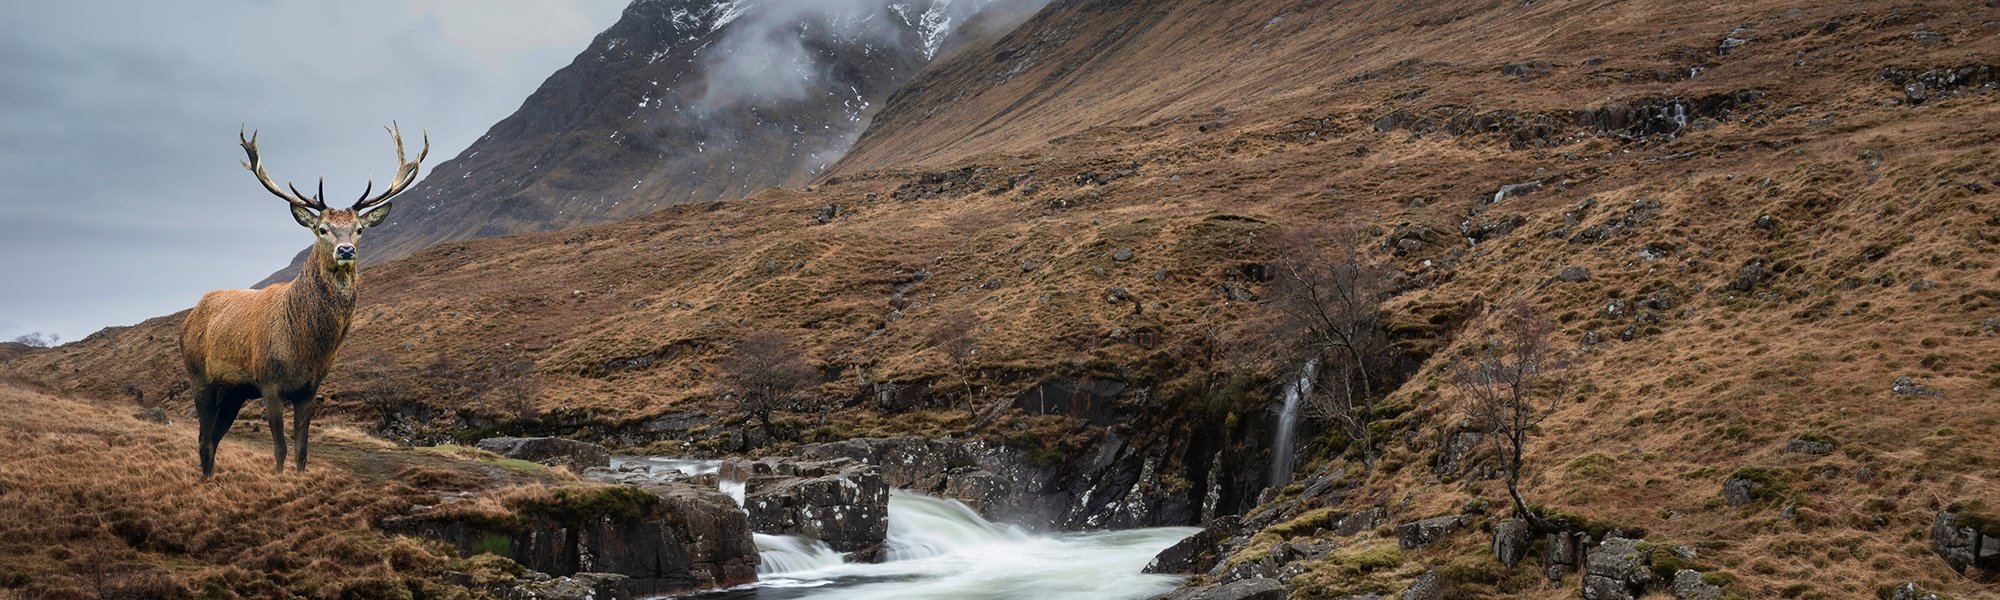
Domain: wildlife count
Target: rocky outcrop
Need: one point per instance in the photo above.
(1199, 552)
(666, 537)
(1967, 538)
(1616, 570)
(1117, 486)
(581, 586)
(1428, 586)
(1688, 585)
(550, 451)
(1510, 540)
(1421, 534)
(1562, 554)
(842, 502)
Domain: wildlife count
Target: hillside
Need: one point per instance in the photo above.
(673, 105)
(1754, 224)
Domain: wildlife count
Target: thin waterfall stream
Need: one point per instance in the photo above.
(940, 548)
(1288, 424)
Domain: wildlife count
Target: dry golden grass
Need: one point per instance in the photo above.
(1859, 187)
(99, 504)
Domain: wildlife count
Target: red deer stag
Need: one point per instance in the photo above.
(277, 343)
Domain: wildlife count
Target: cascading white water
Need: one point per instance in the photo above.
(939, 548)
(1288, 424)
(793, 554)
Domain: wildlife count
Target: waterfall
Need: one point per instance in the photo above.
(793, 554)
(939, 548)
(923, 527)
(1288, 424)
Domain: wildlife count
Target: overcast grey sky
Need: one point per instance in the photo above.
(123, 198)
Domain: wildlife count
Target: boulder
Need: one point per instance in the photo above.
(581, 586)
(1421, 534)
(1563, 553)
(1247, 589)
(1510, 540)
(1739, 491)
(1428, 586)
(1689, 586)
(1909, 591)
(1360, 521)
(1616, 570)
(1965, 538)
(667, 537)
(153, 414)
(842, 502)
(1810, 444)
(1197, 553)
(1904, 386)
(549, 451)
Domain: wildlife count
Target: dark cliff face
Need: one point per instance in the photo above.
(681, 101)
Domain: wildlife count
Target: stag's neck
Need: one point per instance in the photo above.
(321, 300)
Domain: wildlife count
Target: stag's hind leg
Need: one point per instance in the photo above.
(302, 416)
(274, 415)
(205, 395)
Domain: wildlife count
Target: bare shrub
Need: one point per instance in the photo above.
(1512, 384)
(953, 336)
(768, 375)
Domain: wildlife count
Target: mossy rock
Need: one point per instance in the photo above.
(1976, 515)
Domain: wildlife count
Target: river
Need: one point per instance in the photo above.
(939, 548)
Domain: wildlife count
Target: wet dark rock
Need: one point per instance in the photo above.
(1197, 553)
(549, 451)
(1766, 222)
(842, 502)
(1510, 540)
(1421, 534)
(1904, 386)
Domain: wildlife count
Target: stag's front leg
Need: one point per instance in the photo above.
(274, 415)
(204, 410)
(302, 416)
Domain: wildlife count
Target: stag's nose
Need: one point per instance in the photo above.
(344, 252)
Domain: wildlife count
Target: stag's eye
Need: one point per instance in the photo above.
(322, 230)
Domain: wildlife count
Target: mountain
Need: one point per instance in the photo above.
(682, 101)
(1764, 236)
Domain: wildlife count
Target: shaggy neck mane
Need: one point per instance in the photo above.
(320, 302)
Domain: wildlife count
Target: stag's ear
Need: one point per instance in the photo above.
(304, 216)
(375, 217)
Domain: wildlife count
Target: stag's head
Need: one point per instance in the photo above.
(337, 231)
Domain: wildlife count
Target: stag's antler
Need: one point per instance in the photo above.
(296, 197)
(406, 171)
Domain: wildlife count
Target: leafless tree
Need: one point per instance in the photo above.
(954, 335)
(1331, 298)
(768, 375)
(1514, 383)
(39, 340)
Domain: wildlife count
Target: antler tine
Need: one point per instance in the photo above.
(256, 165)
(406, 170)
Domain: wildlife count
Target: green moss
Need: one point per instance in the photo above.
(1975, 514)
(1718, 578)
(1314, 520)
(1771, 484)
(581, 505)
